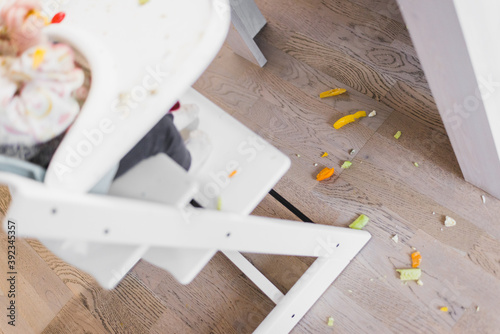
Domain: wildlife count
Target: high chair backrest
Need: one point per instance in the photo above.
(137, 74)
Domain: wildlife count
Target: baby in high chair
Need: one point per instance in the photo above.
(42, 90)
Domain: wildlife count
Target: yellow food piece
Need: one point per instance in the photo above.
(332, 92)
(348, 119)
(397, 135)
(38, 58)
(330, 322)
(325, 174)
(324, 155)
(38, 15)
(444, 309)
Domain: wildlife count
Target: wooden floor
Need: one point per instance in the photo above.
(313, 46)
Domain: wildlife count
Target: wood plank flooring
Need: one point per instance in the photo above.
(312, 46)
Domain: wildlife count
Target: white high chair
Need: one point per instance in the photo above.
(147, 213)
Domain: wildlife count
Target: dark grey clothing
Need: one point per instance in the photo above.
(162, 138)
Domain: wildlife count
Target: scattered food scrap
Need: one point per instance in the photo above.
(219, 203)
(483, 198)
(298, 155)
(433, 213)
(350, 291)
(415, 164)
(448, 222)
(444, 309)
(233, 173)
(419, 282)
(397, 135)
(324, 155)
(325, 174)
(332, 92)
(477, 308)
(409, 274)
(330, 322)
(315, 165)
(38, 15)
(346, 164)
(58, 18)
(38, 57)
(372, 114)
(414, 248)
(352, 152)
(143, 2)
(416, 258)
(395, 238)
(348, 119)
(360, 222)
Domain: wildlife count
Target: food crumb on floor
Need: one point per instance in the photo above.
(346, 164)
(449, 222)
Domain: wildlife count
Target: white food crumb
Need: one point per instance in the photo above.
(413, 248)
(484, 199)
(450, 222)
(350, 291)
(298, 155)
(477, 308)
(433, 213)
(441, 229)
(395, 238)
(419, 282)
(372, 114)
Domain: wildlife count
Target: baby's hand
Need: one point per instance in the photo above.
(24, 30)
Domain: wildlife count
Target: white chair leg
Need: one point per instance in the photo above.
(303, 295)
